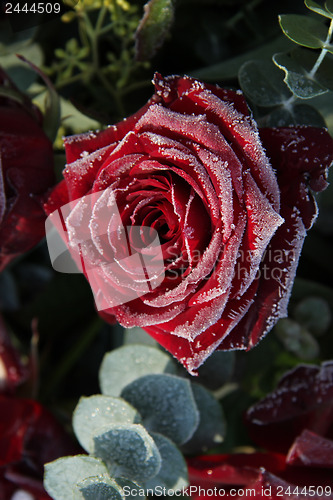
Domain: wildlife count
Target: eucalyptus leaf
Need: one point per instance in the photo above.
(262, 82)
(297, 339)
(173, 473)
(217, 369)
(62, 476)
(228, 70)
(122, 366)
(94, 412)
(299, 114)
(329, 7)
(304, 30)
(211, 429)
(128, 451)
(153, 28)
(130, 489)
(314, 314)
(166, 405)
(137, 335)
(297, 78)
(100, 488)
(315, 7)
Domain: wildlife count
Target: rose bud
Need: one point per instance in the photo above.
(26, 172)
(189, 182)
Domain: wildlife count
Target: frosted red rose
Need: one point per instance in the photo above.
(231, 218)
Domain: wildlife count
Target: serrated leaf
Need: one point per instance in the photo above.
(166, 405)
(304, 30)
(173, 472)
(94, 412)
(262, 82)
(211, 429)
(100, 488)
(315, 7)
(62, 476)
(121, 366)
(297, 77)
(128, 451)
(153, 28)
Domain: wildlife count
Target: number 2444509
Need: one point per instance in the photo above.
(36, 8)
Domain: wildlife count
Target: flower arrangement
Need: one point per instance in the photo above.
(165, 249)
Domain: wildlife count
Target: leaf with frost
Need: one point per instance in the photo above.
(298, 78)
(94, 412)
(121, 366)
(166, 405)
(173, 472)
(211, 429)
(100, 488)
(128, 451)
(263, 83)
(62, 476)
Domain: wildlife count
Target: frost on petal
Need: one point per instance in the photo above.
(301, 157)
(302, 399)
(311, 450)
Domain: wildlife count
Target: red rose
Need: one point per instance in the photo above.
(303, 399)
(191, 166)
(29, 437)
(26, 172)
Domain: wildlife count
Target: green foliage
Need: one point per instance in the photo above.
(153, 28)
(132, 440)
(166, 405)
(304, 30)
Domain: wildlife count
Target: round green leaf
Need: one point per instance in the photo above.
(301, 114)
(94, 412)
(314, 314)
(298, 78)
(262, 82)
(304, 30)
(62, 476)
(100, 488)
(315, 7)
(123, 365)
(173, 472)
(297, 339)
(128, 451)
(166, 405)
(217, 369)
(211, 429)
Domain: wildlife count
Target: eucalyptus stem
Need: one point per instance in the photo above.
(322, 53)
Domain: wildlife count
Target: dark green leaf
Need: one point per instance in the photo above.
(329, 7)
(314, 314)
(262, 82)
(173, 472)
(100, 488)
(298, 78)
(299, 114)
(122, 366)
(166, 405)
(304, 30)
(217, 369)
(297, 339)
(211, 428)
(128, 451)
(153, 28)
(228, 70)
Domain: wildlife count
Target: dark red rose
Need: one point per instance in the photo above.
(231, 218)
(303, 399)
(29, 437)
(26, 172)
